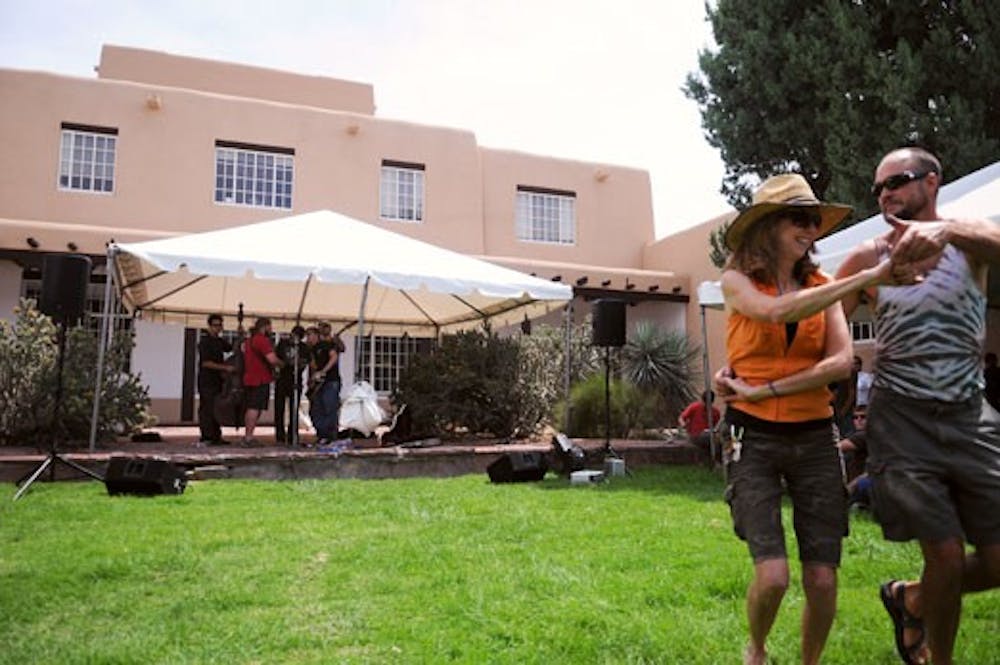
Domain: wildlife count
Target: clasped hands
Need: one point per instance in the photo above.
(910, 244)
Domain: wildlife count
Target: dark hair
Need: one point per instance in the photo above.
(213, 317)
(299, 331)
(755, 257)
(261, 323)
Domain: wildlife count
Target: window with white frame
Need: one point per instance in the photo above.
(256, 176)
(401, 196)
(546, 215)
(384, 358)
(87, 158)
(863, 331)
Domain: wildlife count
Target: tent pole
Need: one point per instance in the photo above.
(567, 353)
(361, 331)
(712, 439)
(302, 300)
(101, 344)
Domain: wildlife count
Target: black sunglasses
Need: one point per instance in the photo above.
(894, 182)
(803, 219)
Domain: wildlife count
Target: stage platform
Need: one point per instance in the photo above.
(361, 459)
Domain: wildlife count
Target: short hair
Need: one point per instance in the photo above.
(323, 325)
(260, 323)
(298, 331)
(312, 330)
(922, 158)
(213, 317)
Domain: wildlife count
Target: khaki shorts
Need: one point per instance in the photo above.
(935, 468)
(807, 464)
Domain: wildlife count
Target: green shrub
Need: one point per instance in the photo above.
(541, 379)
(630, 408)
(28, 376)
(466, 386)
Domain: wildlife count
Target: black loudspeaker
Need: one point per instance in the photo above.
(608, 322)
(64, 287)
(570, 457)
(144, 476)
(518, 468)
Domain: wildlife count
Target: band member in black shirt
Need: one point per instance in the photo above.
(211, 371)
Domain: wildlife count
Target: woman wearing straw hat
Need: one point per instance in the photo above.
(786, 340)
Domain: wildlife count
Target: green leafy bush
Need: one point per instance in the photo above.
(542, 377)
(466, 386)
(630, 408)
(28, 378)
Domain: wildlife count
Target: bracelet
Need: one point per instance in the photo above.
(774, 391)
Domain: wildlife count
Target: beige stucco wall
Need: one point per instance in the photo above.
(165, 171)
(177, 71)
(165, 162)
(687, 253)
(614, 214)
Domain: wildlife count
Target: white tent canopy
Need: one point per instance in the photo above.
(318, 266)
(324, 266)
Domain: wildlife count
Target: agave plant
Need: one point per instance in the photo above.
(663, 362)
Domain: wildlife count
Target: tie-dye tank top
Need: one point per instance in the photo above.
(929, 336)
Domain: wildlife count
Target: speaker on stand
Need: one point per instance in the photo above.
(608, 331)
(64, 297)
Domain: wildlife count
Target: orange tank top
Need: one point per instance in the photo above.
(758, 352)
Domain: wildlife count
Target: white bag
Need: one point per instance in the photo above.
(359, 408)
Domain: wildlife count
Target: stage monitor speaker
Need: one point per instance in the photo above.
(568, 456)
(518, 467)
(143, 476)
(64, 287)
(608, 322)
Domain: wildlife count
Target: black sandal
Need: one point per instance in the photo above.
(893, 593)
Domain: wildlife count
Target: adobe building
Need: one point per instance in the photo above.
(158, 145)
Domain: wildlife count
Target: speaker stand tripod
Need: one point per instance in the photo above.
(613, 462)
(54, 457)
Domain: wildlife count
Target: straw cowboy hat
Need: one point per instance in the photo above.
(780, 192)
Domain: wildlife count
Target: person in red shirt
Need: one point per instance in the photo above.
(694, 419)
(259, 361)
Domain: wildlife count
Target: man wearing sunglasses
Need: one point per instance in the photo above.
(934, 443)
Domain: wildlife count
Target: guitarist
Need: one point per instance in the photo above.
(324, 401)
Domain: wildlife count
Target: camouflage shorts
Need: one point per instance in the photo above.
(808, 465)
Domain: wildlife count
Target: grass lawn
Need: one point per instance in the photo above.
(644, 569)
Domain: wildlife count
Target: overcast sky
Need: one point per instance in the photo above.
(593, 80)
